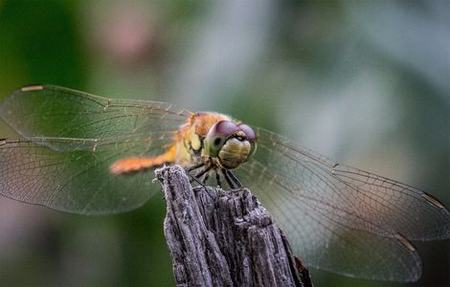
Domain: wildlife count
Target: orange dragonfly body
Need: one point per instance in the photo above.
(212, 141)
(86, 154)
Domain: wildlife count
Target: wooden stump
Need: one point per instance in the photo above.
(224, 238)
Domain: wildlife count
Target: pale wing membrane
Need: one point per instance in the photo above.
(332, 212)
(324, 240)
(363, 200)
(78, 181)
(71, 139)
(50, 111)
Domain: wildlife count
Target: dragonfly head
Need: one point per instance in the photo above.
(232, 144)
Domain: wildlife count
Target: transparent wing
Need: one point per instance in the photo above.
(77, 180)
(70, 140)
(57, 112)
(343, 219)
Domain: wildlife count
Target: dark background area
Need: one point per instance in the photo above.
(364, 82)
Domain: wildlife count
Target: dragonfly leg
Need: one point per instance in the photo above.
(201, 181)
(205, 178)
(197, 177)
(230, 182)
(203, 172)
(193, 179)
(234, 178)
(218, 180)
(195, 166)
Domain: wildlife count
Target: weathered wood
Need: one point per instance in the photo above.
(224, 238)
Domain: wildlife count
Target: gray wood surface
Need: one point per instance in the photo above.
(224, 238)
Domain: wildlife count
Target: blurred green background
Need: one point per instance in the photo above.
(364, 82)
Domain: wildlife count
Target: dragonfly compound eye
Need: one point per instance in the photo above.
(230, 143)
(248, 131)
(218, 134)
(225, 128)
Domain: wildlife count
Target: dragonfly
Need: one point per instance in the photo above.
(85, 154)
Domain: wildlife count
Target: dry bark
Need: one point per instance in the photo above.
(224, 238)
